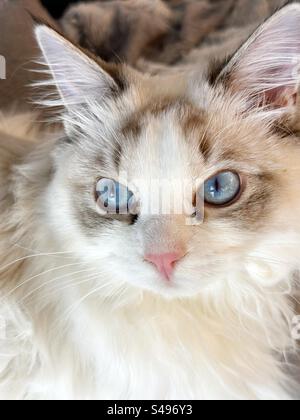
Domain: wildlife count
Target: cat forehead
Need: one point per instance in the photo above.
(148, 129)
(163, 134)
(213, 130)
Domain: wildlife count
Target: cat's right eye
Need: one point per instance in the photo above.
(114, 198)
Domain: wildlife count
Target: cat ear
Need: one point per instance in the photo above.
(266, 69)
(77, 76)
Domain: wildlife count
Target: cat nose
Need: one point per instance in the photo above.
(165, 263)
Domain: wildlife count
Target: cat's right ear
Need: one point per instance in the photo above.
(77, 76)
(266, 69)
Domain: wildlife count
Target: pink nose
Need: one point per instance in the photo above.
(165, 263)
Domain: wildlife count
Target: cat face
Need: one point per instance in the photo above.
(178, 186)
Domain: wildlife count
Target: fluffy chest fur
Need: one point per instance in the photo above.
(150, 351)
(68, 338)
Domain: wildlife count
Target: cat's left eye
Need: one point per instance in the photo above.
(114, 198)
(222, 189)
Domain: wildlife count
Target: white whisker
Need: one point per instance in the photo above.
(37, 276)
(47, 283)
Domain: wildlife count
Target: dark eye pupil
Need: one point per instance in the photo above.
(217, 186)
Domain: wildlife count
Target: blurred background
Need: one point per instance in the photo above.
(154, 36)
(57, 8)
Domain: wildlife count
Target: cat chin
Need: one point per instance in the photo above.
(170, 291)
(178, 287)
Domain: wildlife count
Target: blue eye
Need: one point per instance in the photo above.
(222, 188)
(114, 198)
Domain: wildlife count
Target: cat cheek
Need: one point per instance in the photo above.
(261, 273)
(264, 274)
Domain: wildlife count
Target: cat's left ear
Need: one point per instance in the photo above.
(266, 70)
(77, 76)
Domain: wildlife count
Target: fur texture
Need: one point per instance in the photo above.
(86, 316)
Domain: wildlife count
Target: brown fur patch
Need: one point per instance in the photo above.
(132, 127)
(194, 121)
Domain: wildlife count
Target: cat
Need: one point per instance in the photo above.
(102, 299)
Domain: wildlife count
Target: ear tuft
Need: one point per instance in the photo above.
(266, 69)
(77, 77)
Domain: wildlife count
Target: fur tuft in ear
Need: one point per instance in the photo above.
(266, 69)
(77, 77)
